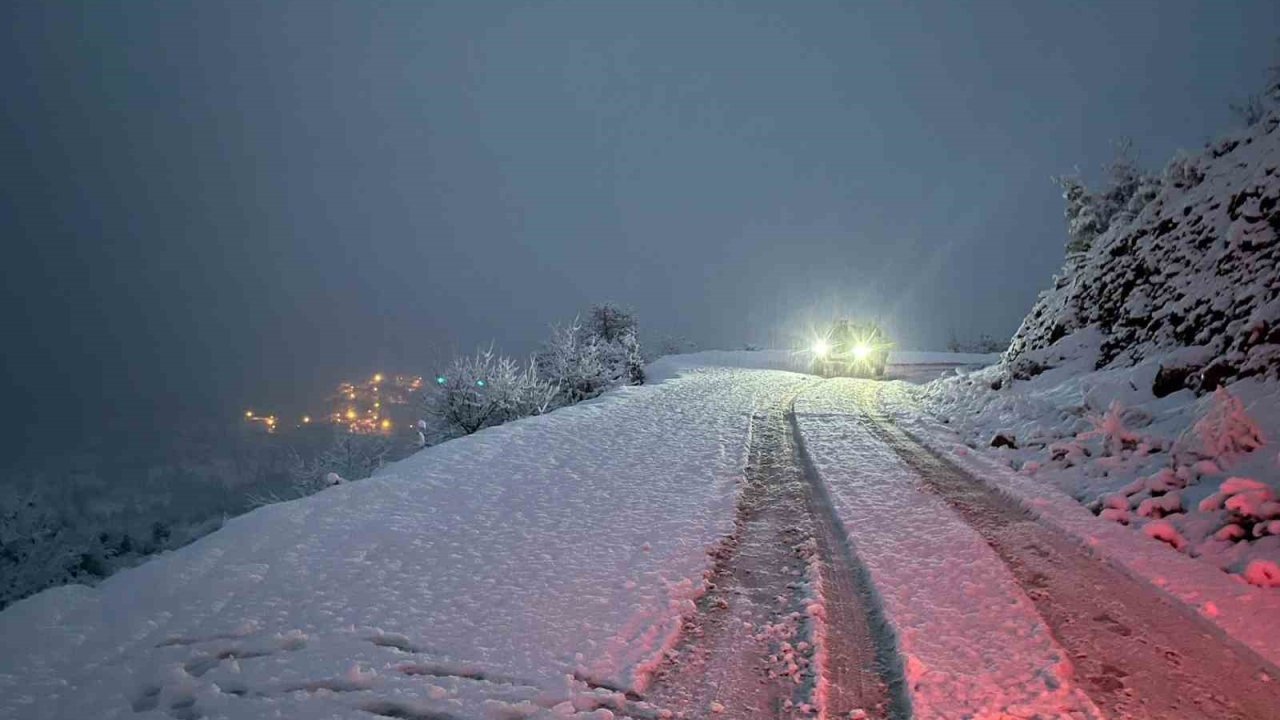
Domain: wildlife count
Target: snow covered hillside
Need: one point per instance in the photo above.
(1146, 381)
(1193, 278)
(536, 565)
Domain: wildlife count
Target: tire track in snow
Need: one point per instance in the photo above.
(863, 668)
(760, 646)
(1136, 653)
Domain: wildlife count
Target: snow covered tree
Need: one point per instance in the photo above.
(353, 456)
(583, 360)
(1084, 222)
(623, 361)
(572, 361)
(1091, 214)
(484, 390)
(1130, 188)
(610, 322)
(616, 331)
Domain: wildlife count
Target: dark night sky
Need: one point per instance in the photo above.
(210, 204)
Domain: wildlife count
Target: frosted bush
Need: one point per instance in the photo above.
(573, 362)
(1110, 428)
(1226, 430)
(584, 359)
(1090, 214)
(1183, 172)
(487, 389)
(1164, 531)
(1263, 573)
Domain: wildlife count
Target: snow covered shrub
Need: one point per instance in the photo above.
(609, 323)
(1084, 222)
(1130, 188)
(1090, 214)
(1252, 509)
(616, 330)
(583, 359)
(352, 456)
(1110, 428)
(1164, 531)
(572, 362)
(1226, 430)
(622, 360)
(1183, 172)
(484, 390)
(1158, 506)
(1263, 573)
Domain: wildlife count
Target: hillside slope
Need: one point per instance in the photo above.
(1146, 381)
(1198, 268)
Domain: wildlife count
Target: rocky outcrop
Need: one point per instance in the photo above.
(1198, 267)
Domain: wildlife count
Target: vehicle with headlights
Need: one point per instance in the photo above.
(850, 349)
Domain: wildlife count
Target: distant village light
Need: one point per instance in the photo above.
(366, 407)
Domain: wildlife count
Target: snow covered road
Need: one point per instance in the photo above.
(1000, 614)
(528, 568)
(789, 627)
(727, 543)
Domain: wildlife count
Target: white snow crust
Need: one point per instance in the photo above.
(534, 569)
(1100, 439)
(972, 642)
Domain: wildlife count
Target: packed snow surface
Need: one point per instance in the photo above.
(536, 568)
(972, 642)
(541, 568)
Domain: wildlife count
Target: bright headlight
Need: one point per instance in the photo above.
(821, 348)
(861, 351)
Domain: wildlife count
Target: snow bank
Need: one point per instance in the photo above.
(1065, 481)
(541, 566)
(1104, 438)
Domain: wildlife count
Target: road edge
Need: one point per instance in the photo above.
(1231, 606)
